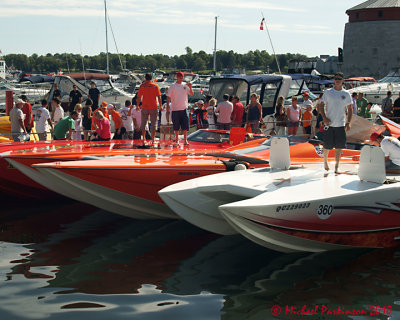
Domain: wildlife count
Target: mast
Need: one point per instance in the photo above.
(215, 47)
(105, 19)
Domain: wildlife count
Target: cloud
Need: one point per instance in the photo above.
(149, 8)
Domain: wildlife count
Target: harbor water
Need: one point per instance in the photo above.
(66, 260)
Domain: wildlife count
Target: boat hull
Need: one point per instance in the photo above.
(341, 213)
(130, 190)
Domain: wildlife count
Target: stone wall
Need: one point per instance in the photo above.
(371, 48)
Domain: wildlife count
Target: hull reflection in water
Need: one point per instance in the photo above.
(102, 266)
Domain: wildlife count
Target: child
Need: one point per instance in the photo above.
(127, 120)
(307, 121)
(87, 118)
(368, 111)
(165, 124)
(77, 134)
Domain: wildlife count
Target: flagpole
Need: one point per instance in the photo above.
(215, 48)
(273, 50)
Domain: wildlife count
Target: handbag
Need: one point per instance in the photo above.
(282, 120)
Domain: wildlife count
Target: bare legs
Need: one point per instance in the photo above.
(338, 153)
(184, 132)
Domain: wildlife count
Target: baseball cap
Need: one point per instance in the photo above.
(374, 136)
(110, 106)
(305, 94)
(200, 102)
(104, 104)
(180, 74)
(339, 75)
(19, 101)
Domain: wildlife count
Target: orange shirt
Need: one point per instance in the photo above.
(116, 116)
(96, 121)
(148, 93)
(306, 119)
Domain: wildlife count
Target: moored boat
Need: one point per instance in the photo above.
(325, 211)
(212, 191)
(16, 178)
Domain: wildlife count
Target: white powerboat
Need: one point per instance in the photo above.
(197, 200)
(376, 92)
(329, 212)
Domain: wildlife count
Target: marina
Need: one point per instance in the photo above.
(221, 163)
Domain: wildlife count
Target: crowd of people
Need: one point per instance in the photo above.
(138, 119)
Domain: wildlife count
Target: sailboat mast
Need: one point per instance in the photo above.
(105, 19)
(215, 47)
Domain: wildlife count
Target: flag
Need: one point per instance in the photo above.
(262, 24)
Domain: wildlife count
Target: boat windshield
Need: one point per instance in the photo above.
(230, 86)
(188, 77)
(211, 136)
(208, 136)
(393, 76)
(102, 85)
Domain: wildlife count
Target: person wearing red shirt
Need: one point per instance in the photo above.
(149, 94)
(237, 113)
(103, 128)
(103, 109)
(27, 110)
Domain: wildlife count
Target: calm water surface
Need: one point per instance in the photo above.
(65, 260)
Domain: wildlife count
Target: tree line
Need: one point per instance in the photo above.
(200, 62)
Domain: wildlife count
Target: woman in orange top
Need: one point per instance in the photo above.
(307, 121)
(116, 117)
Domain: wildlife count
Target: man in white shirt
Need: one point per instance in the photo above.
(336, 109)
(177, 102)
(43, 120)
(224, 111)
(16, 117)
(391, 149)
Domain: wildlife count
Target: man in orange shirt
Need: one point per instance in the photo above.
(149, 94)
(116, 117)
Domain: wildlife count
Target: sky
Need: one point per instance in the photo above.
(146, 27)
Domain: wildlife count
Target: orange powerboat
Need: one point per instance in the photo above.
(16, 183)
(129, 185)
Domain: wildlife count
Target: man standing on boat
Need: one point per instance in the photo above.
(16, 117)
(177, 98)
(336, 110)
(94, 95)
(74, 97)
(149, 95)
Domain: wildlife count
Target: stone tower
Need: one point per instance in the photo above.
(371, 45)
